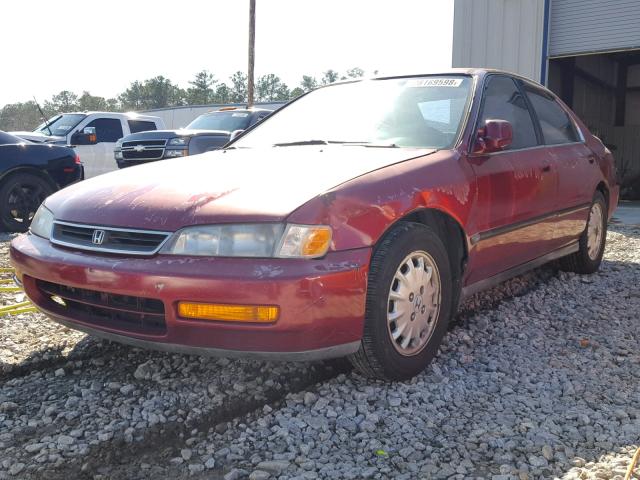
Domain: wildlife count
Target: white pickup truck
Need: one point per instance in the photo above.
(93, 135)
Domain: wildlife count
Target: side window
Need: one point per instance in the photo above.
(107, 129)
(503, 101)
(555, 124)
(136, 126)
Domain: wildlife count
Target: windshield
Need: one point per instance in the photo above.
(409, 112)
(60, 125)
(227, 121)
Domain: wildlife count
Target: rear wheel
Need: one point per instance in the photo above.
(592, 241)
(409, 303)
(20, 196)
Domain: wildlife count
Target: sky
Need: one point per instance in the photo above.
(105, 45)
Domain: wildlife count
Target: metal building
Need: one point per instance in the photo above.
(586, 51)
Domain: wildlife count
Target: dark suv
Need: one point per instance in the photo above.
(207, 132)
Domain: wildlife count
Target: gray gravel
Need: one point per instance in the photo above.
(538, 379)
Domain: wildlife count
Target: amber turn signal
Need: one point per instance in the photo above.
(229, 313)
(317, 242)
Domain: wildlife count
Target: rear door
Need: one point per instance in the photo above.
(577, 175)
(517, 187)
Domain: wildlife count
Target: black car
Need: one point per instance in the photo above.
(207, 132)
(29, 173)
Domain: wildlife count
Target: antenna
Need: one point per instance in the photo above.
(46, 124)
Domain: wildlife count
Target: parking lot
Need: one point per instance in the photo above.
(538, 378)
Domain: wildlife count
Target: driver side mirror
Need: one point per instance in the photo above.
(495, 136)
(87, 137)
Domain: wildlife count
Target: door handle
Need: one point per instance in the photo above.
(592, 159)
(546, 168)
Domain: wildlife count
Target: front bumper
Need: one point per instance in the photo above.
(321, 302)
(166, 155)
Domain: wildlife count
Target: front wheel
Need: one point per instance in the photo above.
(409, 304)
(592, 241)
(20, 196)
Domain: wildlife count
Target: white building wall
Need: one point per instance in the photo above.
(505, 34)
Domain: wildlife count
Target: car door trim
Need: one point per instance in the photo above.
(518, 270)
(495, 232)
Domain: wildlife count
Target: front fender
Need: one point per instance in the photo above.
(362, 210)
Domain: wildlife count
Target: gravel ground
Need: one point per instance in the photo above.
(538, 378)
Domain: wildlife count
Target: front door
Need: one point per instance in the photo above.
(98, 159)
(513, 219)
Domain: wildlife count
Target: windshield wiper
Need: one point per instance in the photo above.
(337, 142)
(372, 145)
(301, 142)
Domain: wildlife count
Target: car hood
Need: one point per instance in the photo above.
(167, 134)
(224, 186)
(39, 137)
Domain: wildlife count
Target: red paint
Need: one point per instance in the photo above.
(322, 300)
(359, 192)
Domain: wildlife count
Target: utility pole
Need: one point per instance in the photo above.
(252, 51)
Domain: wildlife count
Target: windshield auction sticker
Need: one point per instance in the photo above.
(434, 82)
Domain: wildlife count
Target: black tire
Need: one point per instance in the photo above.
(20, 196)
(377, 356)
(581, 261)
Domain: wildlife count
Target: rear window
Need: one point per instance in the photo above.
(556, 126)
(227, 121)
(136, 126)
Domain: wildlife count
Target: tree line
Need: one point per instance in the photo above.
(161, 92)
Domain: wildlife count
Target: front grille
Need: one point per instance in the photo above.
(155, 154)
(143, 149)
(144, 143)
(108, 239)
(121, 312)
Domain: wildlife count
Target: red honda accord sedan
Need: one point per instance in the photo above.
(349, 223)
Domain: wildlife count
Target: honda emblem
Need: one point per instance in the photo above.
(98, 237)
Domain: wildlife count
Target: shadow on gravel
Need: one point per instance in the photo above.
(54, 357)
(623, 229)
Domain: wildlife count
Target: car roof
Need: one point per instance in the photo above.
(475, 71)
(238, 110)
(129, 115)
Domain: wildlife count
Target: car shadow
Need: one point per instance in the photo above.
(624, 229)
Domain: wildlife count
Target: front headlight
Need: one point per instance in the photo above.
(179, 141)
(256, 240)
(118, 155)
(175, 153)
(265, 240)
(42, 222)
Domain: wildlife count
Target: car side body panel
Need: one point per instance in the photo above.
(56, 163)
